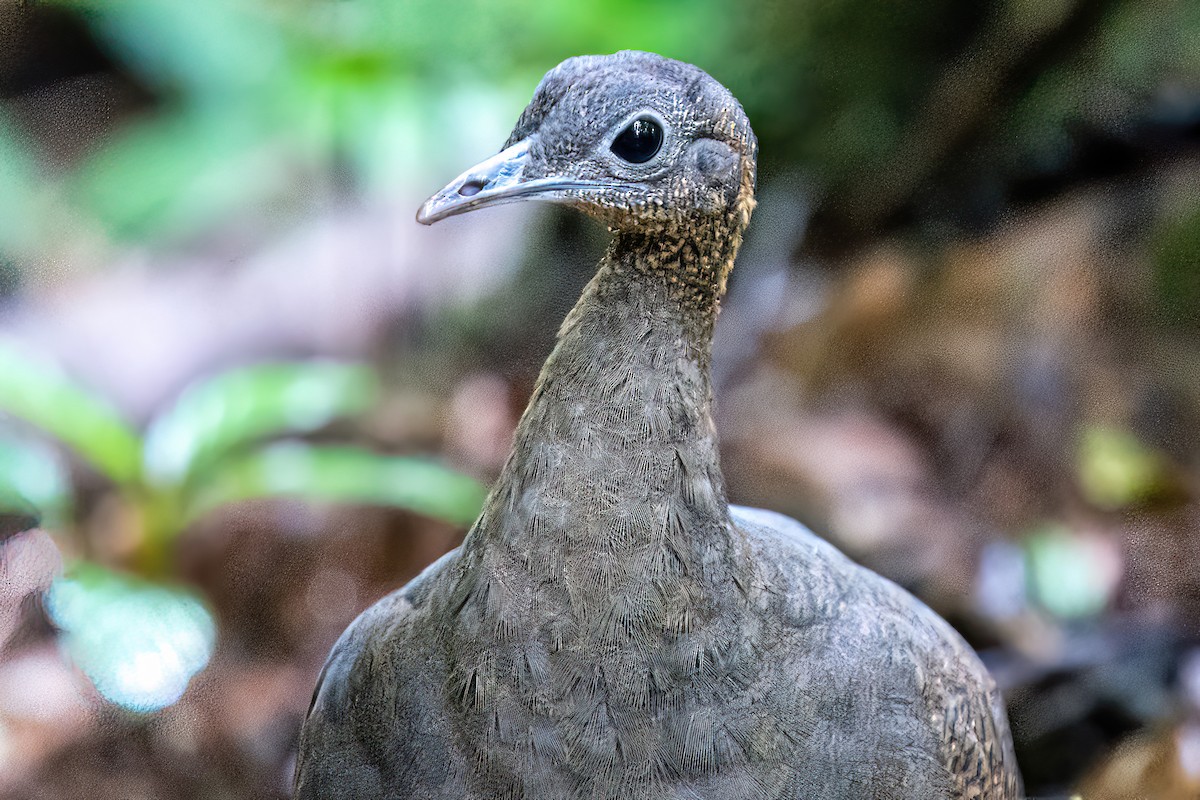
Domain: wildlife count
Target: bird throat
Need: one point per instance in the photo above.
(613, 491)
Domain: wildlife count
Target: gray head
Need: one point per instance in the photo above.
(635, 139)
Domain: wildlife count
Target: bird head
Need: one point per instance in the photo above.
(634, 139)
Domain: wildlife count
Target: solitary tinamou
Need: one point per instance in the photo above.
(611, 627)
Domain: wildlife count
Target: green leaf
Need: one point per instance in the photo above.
(20, 220)
(344, 475)
(176, 173)
(236, 408)
(209, 48)
(36, 391)
(32, 481)
(139, 643)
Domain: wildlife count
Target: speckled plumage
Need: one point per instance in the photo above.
(611, 627)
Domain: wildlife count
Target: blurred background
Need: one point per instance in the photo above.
(243, 394)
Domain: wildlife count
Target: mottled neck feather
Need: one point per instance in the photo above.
(618, 444)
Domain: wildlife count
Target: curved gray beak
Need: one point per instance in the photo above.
(500, 179)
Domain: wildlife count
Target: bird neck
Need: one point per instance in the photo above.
(617, 448)
(605, 553)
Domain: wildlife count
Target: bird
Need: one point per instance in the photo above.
(611, 627)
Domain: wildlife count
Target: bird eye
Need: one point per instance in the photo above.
(639, 142)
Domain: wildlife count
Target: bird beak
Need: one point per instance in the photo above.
(500, 179)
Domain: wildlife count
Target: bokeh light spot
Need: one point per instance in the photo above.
(139, 644)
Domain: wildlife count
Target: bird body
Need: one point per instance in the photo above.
(611, 627)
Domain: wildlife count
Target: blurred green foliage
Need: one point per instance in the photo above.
(39, 393)
(140, 642)
(1116, 470)
(32, 479)
(22, 212)
(216, 417)
(344, 475)
(262, 104)
(1176, 248)
(252, 93)
(206, 449)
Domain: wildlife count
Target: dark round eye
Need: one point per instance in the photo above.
(638, 143)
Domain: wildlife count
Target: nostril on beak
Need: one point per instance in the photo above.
(471, 187)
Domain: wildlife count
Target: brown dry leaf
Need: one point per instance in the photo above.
(1161, 764)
